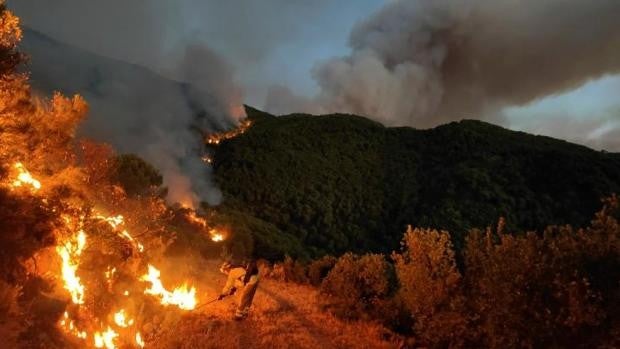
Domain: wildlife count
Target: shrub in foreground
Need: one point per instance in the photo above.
(430, 286)
(357, 286)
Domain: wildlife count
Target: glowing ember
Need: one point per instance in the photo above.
(24, 177)
(121, 319)
(110, 273)
(181, 296)
(207, 159)
(215, 139)
(68, 325)
(139, 340)
(215, 236)
(127, 236)
(106, 339)
(115, 222)
(70, 252)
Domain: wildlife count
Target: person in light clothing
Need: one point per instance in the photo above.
(242, 277)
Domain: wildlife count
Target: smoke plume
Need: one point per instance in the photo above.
(138, 111)
(425, 62)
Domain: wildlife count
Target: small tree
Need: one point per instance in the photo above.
(136, 176)
(430, 286)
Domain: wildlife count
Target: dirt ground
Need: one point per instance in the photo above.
(284, 315)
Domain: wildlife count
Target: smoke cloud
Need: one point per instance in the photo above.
(425, 62)
(138, 111)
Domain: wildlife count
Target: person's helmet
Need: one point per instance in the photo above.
(225, 267)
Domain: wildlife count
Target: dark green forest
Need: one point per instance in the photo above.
(307, 185)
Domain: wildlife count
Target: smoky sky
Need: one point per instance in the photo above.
(267, 42)
(138, 111)
(420, 63)
(403, 62)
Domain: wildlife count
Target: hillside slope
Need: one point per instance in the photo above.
(124, 99)
(284, 315)
(309, 185)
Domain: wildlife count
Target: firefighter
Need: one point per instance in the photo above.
(242, 277)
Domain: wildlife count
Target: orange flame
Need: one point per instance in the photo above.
(139, 340)
(68, 325)
(121, 319)
(182, 297)
(25, 178)
(70, 252)
(214, 234)
(217, 138)
(115, 222)
(106, 339)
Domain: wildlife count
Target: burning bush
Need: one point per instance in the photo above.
(84, 232)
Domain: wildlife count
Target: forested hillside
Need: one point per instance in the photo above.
(310, 185)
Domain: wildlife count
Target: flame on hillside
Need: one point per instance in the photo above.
(182, 296)
(215, 234)
(88, 244)
(217, 138)
(121, 327)
(24, 178)
(69, 252)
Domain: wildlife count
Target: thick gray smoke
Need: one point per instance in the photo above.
(138, 111)
(135, 109)
(153, 114)
(425, 62)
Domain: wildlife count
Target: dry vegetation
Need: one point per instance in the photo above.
(284, 315)
(558, 288)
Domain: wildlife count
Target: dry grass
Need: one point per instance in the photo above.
(284, 315)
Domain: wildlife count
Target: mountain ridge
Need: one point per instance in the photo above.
(312, 185)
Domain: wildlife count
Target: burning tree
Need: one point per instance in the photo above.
(80, 253)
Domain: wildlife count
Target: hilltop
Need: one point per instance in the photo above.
(311, 185)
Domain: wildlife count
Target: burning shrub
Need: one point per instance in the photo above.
(357, 286)
(78, 264)
(27, 226)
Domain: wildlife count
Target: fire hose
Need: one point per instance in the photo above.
(207, 303)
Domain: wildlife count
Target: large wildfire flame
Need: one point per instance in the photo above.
(121, 327)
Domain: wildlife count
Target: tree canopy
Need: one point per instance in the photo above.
(337, 183)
